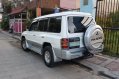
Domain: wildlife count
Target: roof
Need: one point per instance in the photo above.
(30, 6)
(64, 13)
(17, 10)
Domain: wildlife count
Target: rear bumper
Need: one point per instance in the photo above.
(73, 53)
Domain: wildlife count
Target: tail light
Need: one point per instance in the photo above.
(64, 43)
(70, 43)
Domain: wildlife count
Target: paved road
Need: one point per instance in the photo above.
(17, 64)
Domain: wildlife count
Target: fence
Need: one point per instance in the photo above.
(108, 18)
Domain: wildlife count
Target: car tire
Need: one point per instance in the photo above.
(48, 56)
(23, 44)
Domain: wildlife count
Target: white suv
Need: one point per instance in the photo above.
(65, 35)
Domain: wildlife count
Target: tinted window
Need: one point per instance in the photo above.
(78, 24)
(40, 26)
(33, 26)
(43, 24)
(55, 25)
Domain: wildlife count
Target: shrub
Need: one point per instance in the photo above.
(28, 23)
(115, 18)
(5, 23)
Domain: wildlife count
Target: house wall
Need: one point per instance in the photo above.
(88, 6)
(65, 4)
(50, 3)
(70, 4)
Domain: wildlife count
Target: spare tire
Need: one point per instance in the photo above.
(93, 39)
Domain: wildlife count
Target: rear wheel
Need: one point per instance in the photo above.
(48, 56)
(23, 44)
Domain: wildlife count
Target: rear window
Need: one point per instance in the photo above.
(78, 24)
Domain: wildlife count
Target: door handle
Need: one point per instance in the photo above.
(34, 35)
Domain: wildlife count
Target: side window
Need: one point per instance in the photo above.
(55, 25)
(33, 26)
(43, 24)
(40, 27)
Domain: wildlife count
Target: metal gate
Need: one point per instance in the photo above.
(108, 17)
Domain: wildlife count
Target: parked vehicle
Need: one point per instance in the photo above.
(65, 35)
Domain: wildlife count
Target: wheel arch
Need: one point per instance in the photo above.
(22, 38)
(56, 59)
(45, 44)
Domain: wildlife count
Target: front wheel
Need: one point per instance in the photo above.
(48, 56)
(23, 44)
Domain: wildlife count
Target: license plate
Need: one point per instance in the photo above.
(72, 44)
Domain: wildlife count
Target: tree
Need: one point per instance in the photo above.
(7, 7)
(5, 23)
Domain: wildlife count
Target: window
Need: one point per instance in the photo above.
(78, 24)
(40, 27)
(24, 16)
(85, 2)
(33, 26)
(43, 24)
(55, 25)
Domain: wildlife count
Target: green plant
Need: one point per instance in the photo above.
(111, 42)
(5, 23)
(115, 18)
(28, 23)
(104, 22)
(7, 7)
(31, 13)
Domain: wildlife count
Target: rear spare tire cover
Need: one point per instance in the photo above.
(93, 39)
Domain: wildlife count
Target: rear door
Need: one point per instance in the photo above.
(77, 26)
(40, 33)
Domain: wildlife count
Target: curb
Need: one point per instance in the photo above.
(97, 69)
(11, 35)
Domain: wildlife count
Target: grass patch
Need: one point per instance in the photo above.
(111, 42)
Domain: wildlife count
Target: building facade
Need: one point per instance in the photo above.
(70, 5)
(27, 9)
